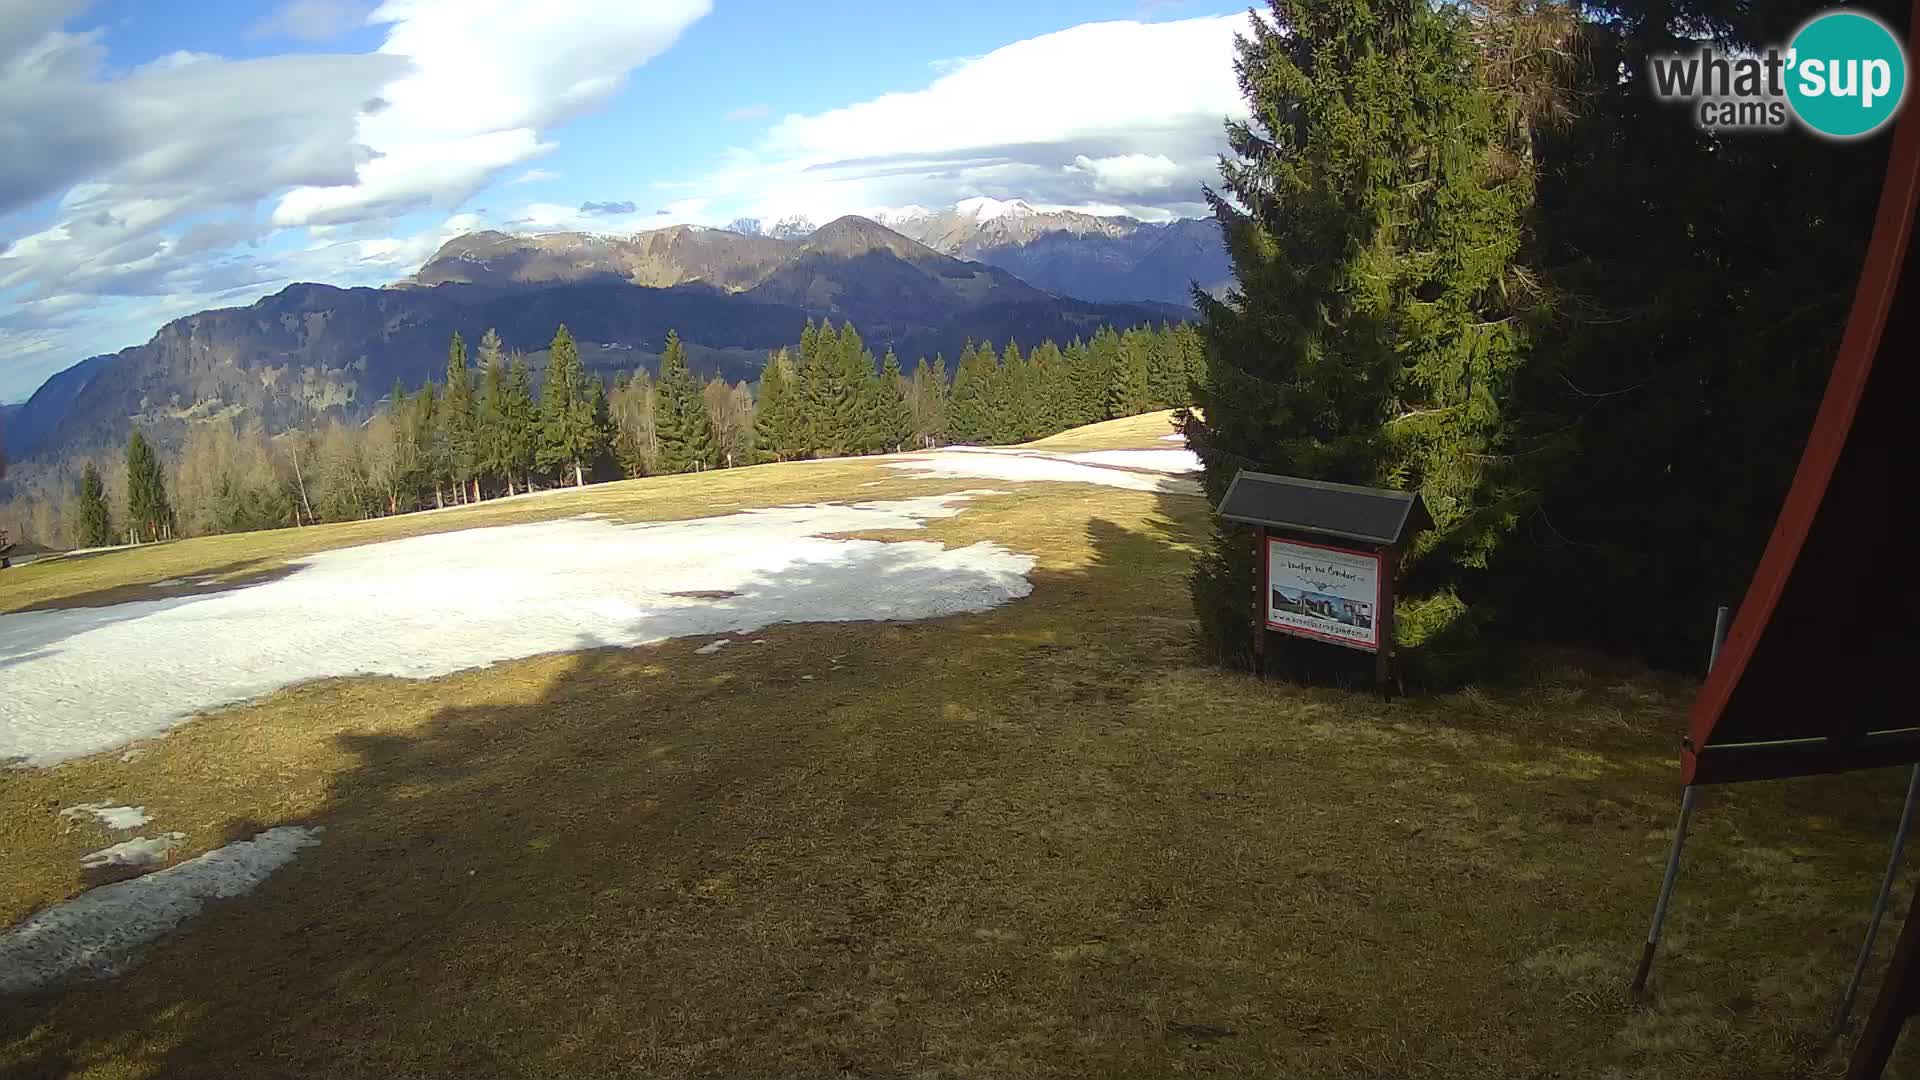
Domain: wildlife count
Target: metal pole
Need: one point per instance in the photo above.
(1845, 1012)
(1679, 835)
(1666, 890)
(1719, 637)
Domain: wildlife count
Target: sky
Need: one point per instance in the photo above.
(159, 158)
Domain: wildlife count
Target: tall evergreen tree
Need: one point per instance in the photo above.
(571, 435)
(685, 431)
(777, 421)
(1370, 340)
(96, 521)
(426, 436)
(519, 420)
(149, 514)
(1127, 391)
(970, 408)
(1048, 412)
(492, 413)
(458, 445)
(893, 418)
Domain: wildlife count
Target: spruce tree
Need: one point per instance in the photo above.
(519, 425)
(425, 432)
(149, 514)
(1127, 392)
(686, 432)
(96, 521)
(776, 418)
(970, 410)
(490, 413)
(571, 436)
(458, 445)
(1008, 400)
(894, 418)
(1372, 215)
(1048, 412)
(940, 406)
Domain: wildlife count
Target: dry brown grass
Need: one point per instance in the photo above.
(1037, 842)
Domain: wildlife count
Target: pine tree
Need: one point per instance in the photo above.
(149, 514)
(1166, 370)
(570, 435)
(940, 402)
(1092, 370)
(1127, 393)
(96, 521)
(776, 417)
(425, 431)
(492, 413)
(970, 411)
(893, 418)
(686, 432)
(1006, 401)
(458, 447)
(519, 425)
(1048, 412)
(1372, 217)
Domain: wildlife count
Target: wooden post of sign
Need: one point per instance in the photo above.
(1260, 600)
(1383, 656)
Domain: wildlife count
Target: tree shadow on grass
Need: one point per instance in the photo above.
(617, 861)
(978, 845)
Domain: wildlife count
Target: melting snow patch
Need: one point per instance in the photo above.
(117, 818)
(139, 851)
(713, 647)
(1175, 437)
(97, 933)
(1135, 470)
(85, 680)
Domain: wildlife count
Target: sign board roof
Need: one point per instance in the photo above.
(1369, 515)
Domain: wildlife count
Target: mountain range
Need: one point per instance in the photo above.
(313, 350)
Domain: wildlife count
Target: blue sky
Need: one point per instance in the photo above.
(158, 158)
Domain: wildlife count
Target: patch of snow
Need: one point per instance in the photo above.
(982, 208)
(1175, 437)
(85, 680)
(98, 932)
(164, 583)
(1166, 461)
(117, 818)
(139, 851)
(873, 483)
(1002, 463)
(806, 678)
(713, 647)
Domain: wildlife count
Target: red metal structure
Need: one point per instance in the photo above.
(1790, 692)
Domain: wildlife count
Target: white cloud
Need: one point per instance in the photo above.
(535, 176)
(1139, 173)
(1124, 115)
(166, 185)
(443, 133)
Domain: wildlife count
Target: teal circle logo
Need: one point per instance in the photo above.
(1846, 74)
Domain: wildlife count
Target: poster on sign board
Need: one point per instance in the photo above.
(1324, 593)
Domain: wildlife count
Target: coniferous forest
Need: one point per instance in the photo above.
(1477, 260)
(490, 428)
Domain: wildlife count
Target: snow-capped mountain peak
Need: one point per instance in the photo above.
(981, 208)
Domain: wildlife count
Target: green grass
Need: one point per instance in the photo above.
(1043, 841)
